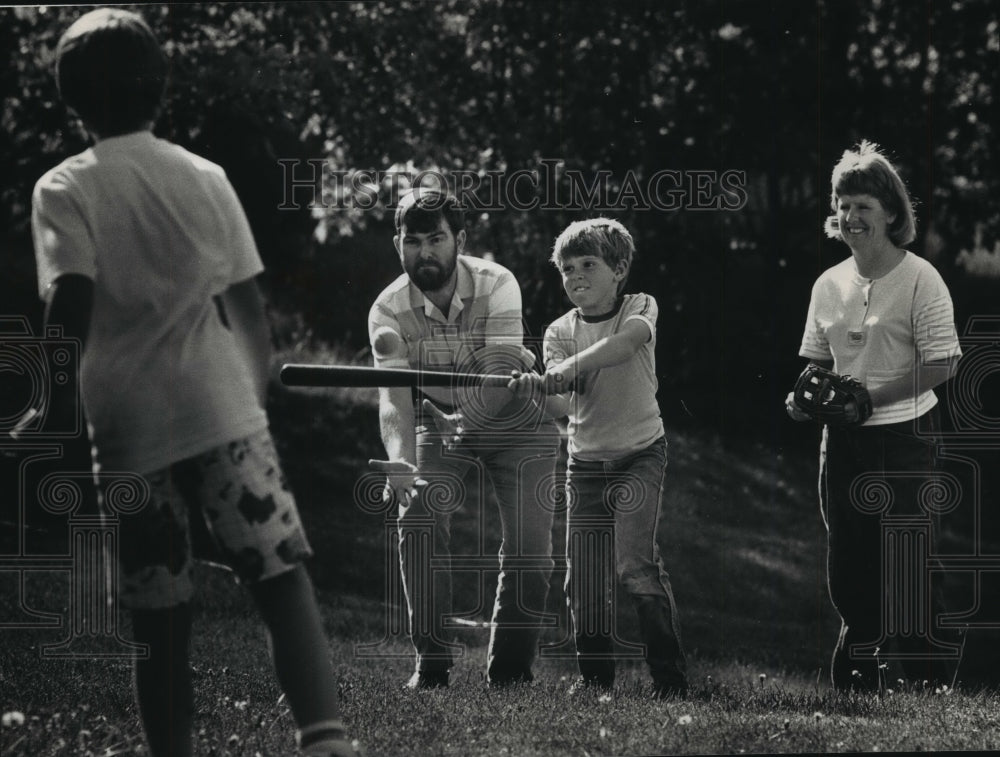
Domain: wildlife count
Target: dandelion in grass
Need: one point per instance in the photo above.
(817, 716)
(12, 719)
(684, 720)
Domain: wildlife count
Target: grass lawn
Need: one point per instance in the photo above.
(84, 707)
(745, 549)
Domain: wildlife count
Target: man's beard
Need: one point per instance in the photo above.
(429, 277)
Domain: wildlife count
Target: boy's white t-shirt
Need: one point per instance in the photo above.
(876, 329)
(616, 413)
(160, 232)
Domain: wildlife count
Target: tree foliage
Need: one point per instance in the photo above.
(772, 89)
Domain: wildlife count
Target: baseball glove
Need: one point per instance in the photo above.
(827, 397)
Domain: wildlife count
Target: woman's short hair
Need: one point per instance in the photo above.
(865, 170)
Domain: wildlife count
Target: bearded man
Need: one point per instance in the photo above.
(450, 311)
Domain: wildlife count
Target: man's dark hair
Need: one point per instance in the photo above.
(421, 211)
(111, 71)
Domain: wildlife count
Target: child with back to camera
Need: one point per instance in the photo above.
(145, 255)
(600, 373)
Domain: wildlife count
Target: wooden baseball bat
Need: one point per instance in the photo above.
(301, 374)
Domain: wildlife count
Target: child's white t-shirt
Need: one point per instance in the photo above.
(616, 413)
(160, 232)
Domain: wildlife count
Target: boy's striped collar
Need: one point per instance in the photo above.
(604, 316)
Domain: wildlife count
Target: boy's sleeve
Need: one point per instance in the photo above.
(556, 345)
(246, 259)
(62, 238)
(642, 307)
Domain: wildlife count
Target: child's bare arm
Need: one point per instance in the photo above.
(526, 385)
(607, 352)
(556, 406)
(243, 305)
(69, 306)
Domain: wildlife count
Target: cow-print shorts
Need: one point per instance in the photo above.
(229, 506)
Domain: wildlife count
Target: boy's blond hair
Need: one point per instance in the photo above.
(605, 238)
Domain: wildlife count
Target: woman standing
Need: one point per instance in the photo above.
(885, 317)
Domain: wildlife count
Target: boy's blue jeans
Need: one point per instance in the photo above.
(614, 510)
(519, 465)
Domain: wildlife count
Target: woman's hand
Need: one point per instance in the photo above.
(793, 411)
